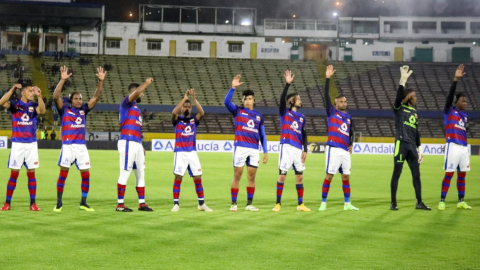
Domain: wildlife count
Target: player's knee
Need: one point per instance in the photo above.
(178, 177)
(298, 173)
(329, 177)
(345, 177)
(197, 177)
(282, 172)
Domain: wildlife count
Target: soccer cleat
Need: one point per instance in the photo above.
(422, 206)
(441, 206)
(85, 207)
(34, 207)
(303, 208)
(233, 207)
(6, 207)
(122, 208)
(144, 207)
(204, 207)
(277, 208)
(251, 208)
(175, 208)
(55, 209)
(323, 206)
(394, 207)
(464, 205)
(349, 207)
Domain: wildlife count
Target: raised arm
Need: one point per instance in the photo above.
(58, 90)
(328, 102)
(283, 102)
(4, 100)
(41, 105)
(179, 106)
(458, 74)
(200, 110)
(404, 74)
(228, 98)
(133, 96)
(96, 97)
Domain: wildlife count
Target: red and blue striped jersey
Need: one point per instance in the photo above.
(74, 123)
(130, 121)
(339, 124)
(293, 124)
(24, 121)
(185, 133)
(456, 126)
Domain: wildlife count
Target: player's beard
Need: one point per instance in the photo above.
(186, 113)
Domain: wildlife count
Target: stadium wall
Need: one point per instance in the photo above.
(385, 50)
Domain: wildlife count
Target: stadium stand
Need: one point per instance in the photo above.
(210, 77)
(372, 85)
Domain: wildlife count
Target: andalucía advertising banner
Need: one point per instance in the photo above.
(389, 148)
(208, 146)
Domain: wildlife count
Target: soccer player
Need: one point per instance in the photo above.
(249, 132)
(292, 139)
(24, 139)
(186, 157)
(339, 145)
(456, 150)
(407, 140)
(74, 150)
(132, 154)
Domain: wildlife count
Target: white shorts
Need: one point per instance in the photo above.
(244, 155)
(23, 154)
(131, 155)
(289, 157)
(74, 153)
(337, 160)
(457, 157)
(187, 161)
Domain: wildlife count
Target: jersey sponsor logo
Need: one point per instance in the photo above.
(78, 120)
(460, 125)
(78, 124)
(25, 120)
(188, 131)
(343, 129)
(294, 126)
(82, 112)
(30, 109)
(412, 121)
(251, 126)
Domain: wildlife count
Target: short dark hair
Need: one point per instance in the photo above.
(458, 96)
(247, 93)
(289, 96)
(340, 96)
(187, 101)
(70, 97)
(133, 86)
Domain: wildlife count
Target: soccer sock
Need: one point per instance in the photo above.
(85, 186)
(32, 186)
(250, 193)
(300, 193)
(199, 190)
(446, 185)
(62, 177)
(325, 189)
(120, 192)
(141, 194)
(234, 193)
(279, 191)
(461, 185)
(176, 190)
(12, 183)
(346, 190)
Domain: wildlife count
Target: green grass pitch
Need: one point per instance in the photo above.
(373, 238)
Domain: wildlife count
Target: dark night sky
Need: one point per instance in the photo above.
(118, 10)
